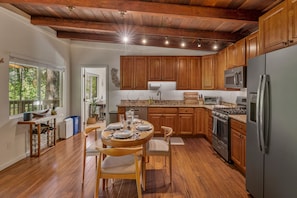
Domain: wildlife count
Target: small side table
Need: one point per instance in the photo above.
(35, 125)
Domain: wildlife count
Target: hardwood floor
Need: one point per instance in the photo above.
(197, 172)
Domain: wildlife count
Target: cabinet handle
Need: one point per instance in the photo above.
(285, 43)
(291, 41)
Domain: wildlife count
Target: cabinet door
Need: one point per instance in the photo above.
(140, 73)
(252, 45)
(182, 80)
(199, 121)
(194, 64)
(231, 54)
(156, 121)
(221, 67)
(127, 72)
(236, 147)
(208, 72)
(273, 29)
(292, 6)
(170, 120)
(168, 65)
(154, 68)
(240, 53)
(186, 123)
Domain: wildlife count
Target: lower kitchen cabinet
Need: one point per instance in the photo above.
(186, 121)
(161, 116)
(199, 121)
(238, 144)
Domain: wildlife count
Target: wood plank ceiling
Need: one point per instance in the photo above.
(190, 21)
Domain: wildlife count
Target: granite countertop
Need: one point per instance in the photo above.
(240, 118)
(165, 103)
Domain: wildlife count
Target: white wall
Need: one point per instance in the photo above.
(19, 38)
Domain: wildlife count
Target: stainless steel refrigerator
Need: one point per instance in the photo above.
(271, 147)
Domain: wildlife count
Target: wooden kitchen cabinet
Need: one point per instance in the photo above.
(163, 116)
(162, 68)
(238, 144)
(199, 125)
(188, 73)
(221, 67)
(236, 54)
(133, 72)
(186, 121)
(273, 29)
(208, 71)
(292, 7)
(252, 45)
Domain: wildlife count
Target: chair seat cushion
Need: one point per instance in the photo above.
(158, 145)
(121, 164)
(91, 150)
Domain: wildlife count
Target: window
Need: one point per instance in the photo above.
(92, 86)
(33, 88)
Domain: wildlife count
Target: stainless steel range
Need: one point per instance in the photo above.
(221, 127)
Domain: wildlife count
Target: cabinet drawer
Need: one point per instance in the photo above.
(185, 110)
(162, 110)
(239, 126)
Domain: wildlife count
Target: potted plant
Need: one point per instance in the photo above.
(93, 115)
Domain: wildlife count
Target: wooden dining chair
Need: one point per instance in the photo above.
(90, 146)
(161, 147)
(119, 163)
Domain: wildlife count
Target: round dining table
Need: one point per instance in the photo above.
(139, 137)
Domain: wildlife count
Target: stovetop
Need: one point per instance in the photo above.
(231, 110)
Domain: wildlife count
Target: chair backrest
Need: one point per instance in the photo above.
(167, 133)
(120, 151)
(87, 133)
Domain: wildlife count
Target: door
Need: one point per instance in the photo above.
(281, 156)
(254, 158)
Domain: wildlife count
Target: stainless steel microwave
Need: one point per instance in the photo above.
(235, 78)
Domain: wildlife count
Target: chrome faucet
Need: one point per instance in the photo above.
(159, 93)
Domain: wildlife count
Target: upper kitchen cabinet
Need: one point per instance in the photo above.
(252, 45)
(273, 29)
(221, 67)
(208, 71)
(162, 68)
(134, 72)
(236, 54)
(292, 6)
(188, 73)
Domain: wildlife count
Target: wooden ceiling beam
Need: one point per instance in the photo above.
(133, 29)
(153, 7)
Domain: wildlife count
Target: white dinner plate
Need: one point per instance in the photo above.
(114, 126)
(144, 127)
(122, 134)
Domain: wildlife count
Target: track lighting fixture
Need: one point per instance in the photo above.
(199, 43)
(166, 41)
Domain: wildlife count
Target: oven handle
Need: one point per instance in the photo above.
(220, 119)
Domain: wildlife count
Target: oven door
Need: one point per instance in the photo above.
(220, 129)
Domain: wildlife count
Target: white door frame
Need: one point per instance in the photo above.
(84, 105)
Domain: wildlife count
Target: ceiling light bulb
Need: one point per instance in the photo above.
(166, 41)
(183, 44)
(215, 46)
(144, 41)
(125, 39)
(199, 45)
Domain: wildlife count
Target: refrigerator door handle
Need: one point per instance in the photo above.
(258, 107)
(262, 113)
(266, 112)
